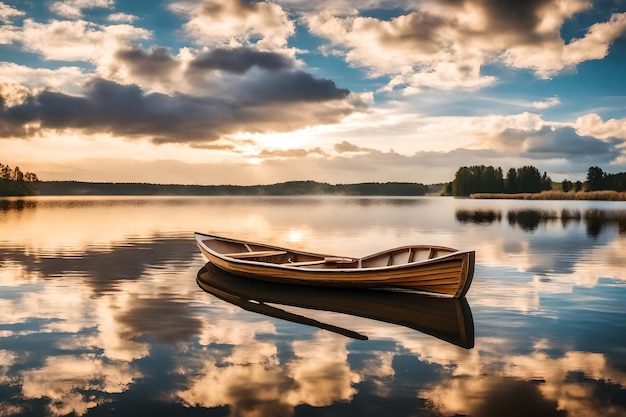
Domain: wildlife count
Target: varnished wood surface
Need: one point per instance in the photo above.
(450, 272)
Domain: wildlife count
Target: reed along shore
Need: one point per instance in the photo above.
(606, 195)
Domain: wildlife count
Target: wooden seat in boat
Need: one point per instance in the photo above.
(255, 254)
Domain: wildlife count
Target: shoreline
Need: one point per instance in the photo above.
(605, 195)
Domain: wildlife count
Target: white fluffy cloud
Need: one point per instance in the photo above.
(74, 8)
(77, 40)
(593, 125)
(553, 55)
(16, 81)
(7, 13)
(236, 22)
(121, 18)
(544, 104)
(445, 46)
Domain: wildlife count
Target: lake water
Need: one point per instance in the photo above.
(101, 314)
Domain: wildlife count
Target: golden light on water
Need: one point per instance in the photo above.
(295, 236)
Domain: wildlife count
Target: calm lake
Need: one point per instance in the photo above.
(101, 313)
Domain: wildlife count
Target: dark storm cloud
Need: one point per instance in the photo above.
(234, 7)
(111, 107)
(240, 60)
(265, 100)
(562, 142)
(514, 15)
(296, 86)
(521, 17)
(157, 62)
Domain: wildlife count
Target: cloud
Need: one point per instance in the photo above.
(529, 136)
(21, 78)
(77, 40)
(347, 152)
(155, 63)
(444, 45)
(291, 153)
(265, 102)
(343, 7)
(593, 125)
(550, 142)
(236, 23)
(121, 18)
(74, 8)
(544, 104)
(219, 72)
(553, 55)
(240, 60)
(7, 13)
(345, 147)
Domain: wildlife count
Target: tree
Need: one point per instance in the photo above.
(494, 182)
(615, 182)
(529, 179)
(6, 173)
(477, 179)
(14, 182)
(462, 184)
(30, 177)
(595, 179)
(511, 181)
(578, 186)
(18, 175)
(546, 182)
(566, 185)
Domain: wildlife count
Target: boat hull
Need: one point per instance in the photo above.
(450, 274)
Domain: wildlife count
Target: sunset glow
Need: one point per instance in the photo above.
(200, 91)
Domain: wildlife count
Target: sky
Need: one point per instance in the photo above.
(247, 92)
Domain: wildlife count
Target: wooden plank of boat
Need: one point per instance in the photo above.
(433, 269)
(448, 319)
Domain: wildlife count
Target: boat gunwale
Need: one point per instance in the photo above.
(456, 254)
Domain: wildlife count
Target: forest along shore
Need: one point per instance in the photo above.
(291, 188)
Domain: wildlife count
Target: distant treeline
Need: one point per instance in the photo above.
(599, 180)
(14, 182)
(480, 179)
(286, 188)
(487, 179)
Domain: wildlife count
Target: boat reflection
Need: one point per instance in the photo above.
(447, 319)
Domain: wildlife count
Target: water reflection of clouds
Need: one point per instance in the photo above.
(68, 382)
(104, 271)
(168, 321)
(88, 314)
(317, 374)
(533, 384)
(230, 331)
(519, 279)
(83, 347)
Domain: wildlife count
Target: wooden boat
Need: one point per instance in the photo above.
(448, 319)
(433, 269)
